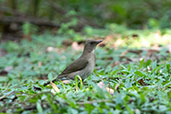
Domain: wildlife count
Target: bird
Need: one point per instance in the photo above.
(83, 66)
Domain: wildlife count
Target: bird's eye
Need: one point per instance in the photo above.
(92, 43)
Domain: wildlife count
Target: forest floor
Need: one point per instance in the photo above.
(132, 75)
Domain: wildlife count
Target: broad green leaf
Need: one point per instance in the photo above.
(139, 73)
(50, 76)
(39, 107)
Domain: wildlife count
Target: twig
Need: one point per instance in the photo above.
(21, 20)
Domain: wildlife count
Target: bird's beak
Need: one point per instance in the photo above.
(99, 41)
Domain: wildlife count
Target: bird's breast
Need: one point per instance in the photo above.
(91, 63)
(90, 67)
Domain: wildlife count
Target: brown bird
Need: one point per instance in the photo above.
(83, 66)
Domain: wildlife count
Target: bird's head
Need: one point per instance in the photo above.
(90, 45)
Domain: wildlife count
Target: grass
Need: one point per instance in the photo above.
(141, 85)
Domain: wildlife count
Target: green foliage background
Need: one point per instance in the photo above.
(139, 87)
(133, 13)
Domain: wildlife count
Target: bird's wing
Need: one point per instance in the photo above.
(75, 66)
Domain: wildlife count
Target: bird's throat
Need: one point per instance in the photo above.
(92, 51)
(85, 52)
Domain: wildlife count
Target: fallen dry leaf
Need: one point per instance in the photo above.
(111, 91)
(113, 40)
(77, 46)
(39, 64)
(141, 82)
(50, 49)
(115, 64)
(67, 42)
(55, 88)
(66, 81)
(152, 51)
(27, 37)
(119, 42)
(102, 86)
(132, 51)
(8, 68)
(53, 49)
(139, 51)
(124, 53)
(125, 57)
(110, 58)
(108, 38)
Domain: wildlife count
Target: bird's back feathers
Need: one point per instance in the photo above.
(77, 65)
